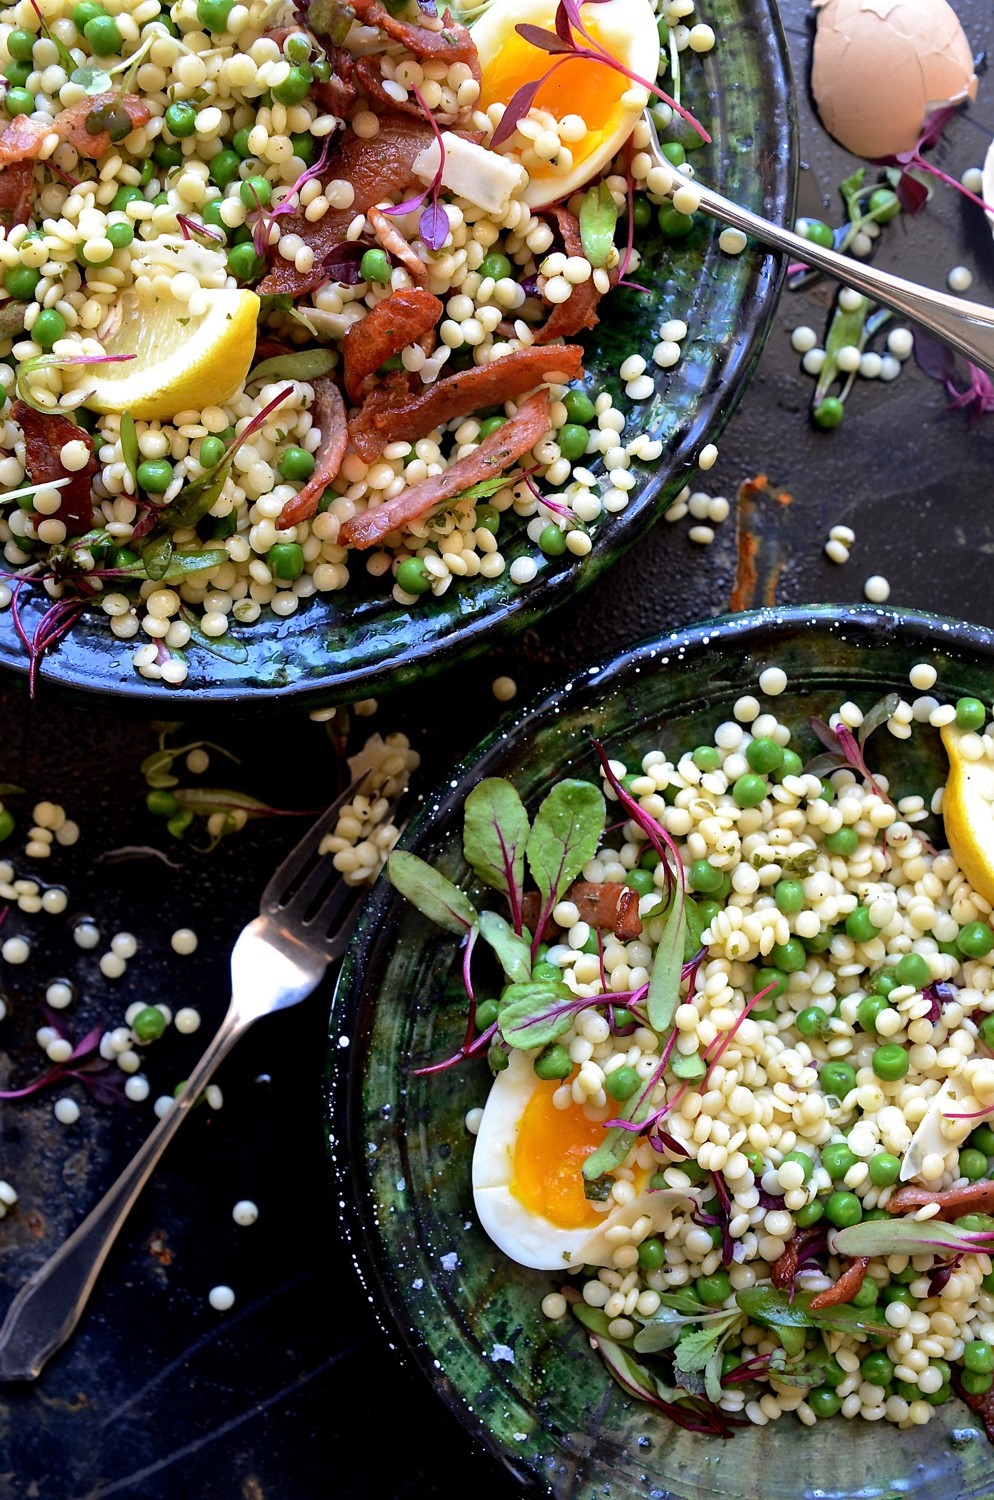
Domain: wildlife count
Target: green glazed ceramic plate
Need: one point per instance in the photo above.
(350, 644)
(530, 1389)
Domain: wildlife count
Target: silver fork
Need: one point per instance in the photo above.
(304, 922)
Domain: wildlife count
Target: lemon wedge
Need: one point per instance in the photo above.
(968, 807)
(182, 362)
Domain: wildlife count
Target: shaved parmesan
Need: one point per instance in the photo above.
(472, 172)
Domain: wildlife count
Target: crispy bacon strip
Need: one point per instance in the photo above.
(975, 1198)
(406, 419)
(44, 436)
(608, 905)
(377, 170)
(579, 311)
(16, 187)
(367, 71)
(452, 44)
(388, 328)
(22, 139)
(394, 243)
(494, 455)
(71, 123)
(797, 1250)
(845, 1288)
(328, 412)
(338, 94)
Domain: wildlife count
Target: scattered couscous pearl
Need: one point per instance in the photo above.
(702, 535)
(923, 676)
(850, 299)
(732, 241)
(66, 1111)
(112, 966)
(973, 180)
(504, 689)
(163, 1105)
(901, 343)
(187, 1020)
(554, 1306)
(54, 900)
(221, 1298)
(960, 279)
(245, 1211)
(59, 1050)
(890, 367)
(813, 361)
(847, 358)
(877, 589)
(16, 950)
(474, 1119)
(773, 681)
(836, 551)
(184, 941)
(843, 534)
(365, 708)
(870, 365)
(802, 339)
(214, 1096)
(197, 761)
(708, 456)
(136, 1088)
(8, 1195)
(86, 933)
(59, 994)
(746, 709)
(522, 570)
(124, 944)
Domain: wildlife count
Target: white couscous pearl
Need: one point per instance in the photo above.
(221, 1298)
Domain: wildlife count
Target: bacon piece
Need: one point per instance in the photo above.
(16, 186)
(44, 436)
(23, 138)
(579, 311)
(382, 420)
(338, 94)
(394, 243)
(388, 328)
(975, 1198)
(71, 123)
(377, 170)
(328, 412)
(798, 1249)
(452, 44)
(982, 1405)
(608, 905)
(845, 1288)
(495, 454)
(367, 70)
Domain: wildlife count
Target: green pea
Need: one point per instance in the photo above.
(124, 196)
(622, 1083)
(155, 475)
(707, 911)
(859, 925)
(149, 1024)
(121, 235)
(975, 940)
(713, 1290)
(869, 1009)
(884, 205)
(304, 148)
(674, 225)
(21, 44)
(789, 896)
(890, 1062)
(837, 1159)
(705, 877)
(843, 1210)
(572, 441)
(295, 86)
(21, 281)
(978, 1356)
(19, 102)
(211, 452)
(18, 73)
(49, 326)
(103, 36)
(937, 1398)
(837, 1078)
(487, 1012)
(763, 978)
(801, 1159)
(812, 1021)
(756, 1160)
(321, 68)
(791, 765)
(495, 265)
(552, 540)
(642, 211)
(295, 464)
(579, 408)
(160, 803)
(877, 1368)
(970, 713)
(817, 231)
(553, 1062)
(763, 754)
(213, 14)
(167, 155)
(749, 790)
(243, 263)
(706, 758)
(824, 1402)
(844, 841)
(652, 1253)
(867, 1294)
(296, 48)
(976, 1383)
(885, 1169)
(809, 1214)
(972, 1165)
(820, 942)
(790, 956)
(256, 191)
(673, 152)
(223, 167)
(913, 969)
(85, 12)
(286, 561)
(979, 1223)
(7, 823)
(488, 516)
(983, 1139)
(146, 172)
(375, 266)
(885, 981)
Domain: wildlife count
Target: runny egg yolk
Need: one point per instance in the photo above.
(578, 86)
(551, 1147)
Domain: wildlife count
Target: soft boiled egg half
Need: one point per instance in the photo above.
(592, 107)
(528, 1182)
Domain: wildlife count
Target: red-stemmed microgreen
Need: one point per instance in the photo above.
(563, 41)
(845, 750)
(912, 193)
(909, 1236)
(57, 361)
(433, 224)
(266, 218)
(190, 227)
(83, 1064)
(940, 363)
(715, 1050)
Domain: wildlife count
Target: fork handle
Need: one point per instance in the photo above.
(51, 1302)
(966, 326)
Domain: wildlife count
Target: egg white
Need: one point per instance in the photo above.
(625, 28)
(524, 1235)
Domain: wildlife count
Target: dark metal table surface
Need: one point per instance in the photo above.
(296, 1393)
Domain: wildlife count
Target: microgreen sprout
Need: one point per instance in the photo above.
(845, 750)
(433, 224)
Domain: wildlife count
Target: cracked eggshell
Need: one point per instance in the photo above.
(882, 66)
